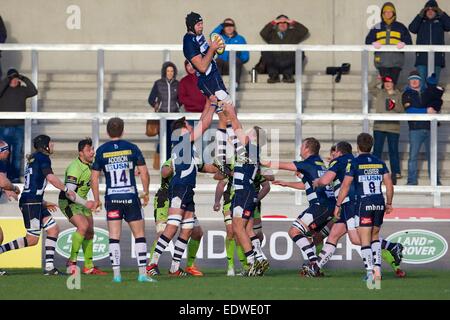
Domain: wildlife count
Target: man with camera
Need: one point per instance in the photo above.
(15, 89)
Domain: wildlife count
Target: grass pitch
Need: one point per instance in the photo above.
(215, 285)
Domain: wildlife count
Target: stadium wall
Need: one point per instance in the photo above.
(162, 22)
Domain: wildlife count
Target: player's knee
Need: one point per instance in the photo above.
(32, 241)
(188, 223)
(83, 228)
(197, 233)
(160, 227)
(174, 220)
(293, 232)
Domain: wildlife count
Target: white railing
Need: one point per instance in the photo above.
(297, 117)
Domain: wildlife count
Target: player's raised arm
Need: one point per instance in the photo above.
(218, 194)
(203, 125)
(389, 191)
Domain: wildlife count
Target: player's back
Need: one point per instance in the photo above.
(193, 45)
(245, 169)
(367, 171)
(339, 166)
(184, 162)
(118, 160)
(36, 169)
(313, 168)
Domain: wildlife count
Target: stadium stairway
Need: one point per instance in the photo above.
(129, 92)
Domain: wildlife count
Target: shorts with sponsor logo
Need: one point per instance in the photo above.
(182, 197)
(370, 211)
(211, 83)
(33, 217)
(349, 215)
(316, 216)
(243, 203)
(126, 209)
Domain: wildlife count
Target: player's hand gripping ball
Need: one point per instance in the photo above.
(215, 37)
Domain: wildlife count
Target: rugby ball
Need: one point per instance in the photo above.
(218, 38)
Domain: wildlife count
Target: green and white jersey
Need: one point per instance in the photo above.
(79, 174)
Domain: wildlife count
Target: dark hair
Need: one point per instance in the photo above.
(41, 143)
(344, 147)
(312, 144)
(115, 127)
(282, 16)
(83, 143)
(178, 124)
(365, 142)
(333, 148)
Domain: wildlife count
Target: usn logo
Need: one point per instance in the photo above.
(101, 244)
(421, 246)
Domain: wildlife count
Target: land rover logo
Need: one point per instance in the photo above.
(420, 246)
(101, 244)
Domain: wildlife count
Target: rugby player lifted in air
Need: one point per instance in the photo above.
(118, 159)
(200, 53)
(35, 210)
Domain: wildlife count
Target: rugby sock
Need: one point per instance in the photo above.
(114, 256)
(389, 259)
(230, 246)
(257, 248)
(192, 248)
(161, 245)
(77, 240)
(250, 255)
(88, 251)
(152, 249)
(367, 256)
(240, 150)
(386, 244)
(376, 251)
(325, 254)
(180, 247)
(241, 255)
(50, 244)
(140, 248)
(221, 146)
(306, 246)
(14, 245)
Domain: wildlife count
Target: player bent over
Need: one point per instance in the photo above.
(118, 159)
(78, 179)
(35, 210)
(185, 163)
(319, 213)
(161, 213)
(368, 173)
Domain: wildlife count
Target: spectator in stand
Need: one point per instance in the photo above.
(430, 26)
(189, 94)
(164, 98)
(419, 131)
(227, 30)
(15, 89)
(389, 32)
(3, 36)
(282, 30)
(387, 99)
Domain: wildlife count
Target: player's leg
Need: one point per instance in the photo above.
(256, 243)
(187, 225)
(192, 249)
(52, 231)
(365, 234)
(391, 252)
(161, 213)
(376, 252)
(82, 225)
(337, 231)
(137, 227)
(115, 231)
(2, 272)
(88, 248)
